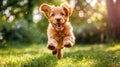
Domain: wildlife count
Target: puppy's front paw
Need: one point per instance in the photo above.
(68, 44)
(54, 52)
(51, 46)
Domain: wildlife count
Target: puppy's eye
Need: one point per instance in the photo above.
(53, 14)
(62, 14)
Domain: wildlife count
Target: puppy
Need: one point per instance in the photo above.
(59, 32)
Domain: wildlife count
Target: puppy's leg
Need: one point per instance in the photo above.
(59, 54)
(68, 41)
(52, 44)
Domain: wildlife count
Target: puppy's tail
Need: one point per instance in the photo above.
(59, 54)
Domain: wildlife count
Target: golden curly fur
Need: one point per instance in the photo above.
(60, 32)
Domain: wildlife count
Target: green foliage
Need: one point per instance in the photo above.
(89, 21)
(22, 28)
(34, 55)
(86, 33)
(17, 20)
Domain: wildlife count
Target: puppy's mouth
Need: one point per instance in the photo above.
(59, 26)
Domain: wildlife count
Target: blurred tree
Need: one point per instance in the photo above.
(92, 14)
(113, 8)
(21, 20)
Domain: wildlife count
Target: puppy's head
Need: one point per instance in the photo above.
(57, 16)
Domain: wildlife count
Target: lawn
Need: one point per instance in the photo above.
(37, 55)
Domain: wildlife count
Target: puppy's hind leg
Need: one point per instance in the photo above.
(59, 53)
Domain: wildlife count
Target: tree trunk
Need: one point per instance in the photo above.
(113, 9)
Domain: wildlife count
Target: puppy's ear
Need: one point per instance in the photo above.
(68, 10)
(46, 9)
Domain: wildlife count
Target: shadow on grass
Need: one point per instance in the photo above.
(18, 49)
(19, 45)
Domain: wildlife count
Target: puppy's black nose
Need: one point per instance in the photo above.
(58, 20)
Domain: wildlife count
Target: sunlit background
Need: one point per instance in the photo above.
(22, 21)
(23, 37)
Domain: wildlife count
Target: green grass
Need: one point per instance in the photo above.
(37, 55)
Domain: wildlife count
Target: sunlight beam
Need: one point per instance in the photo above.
(114, 1)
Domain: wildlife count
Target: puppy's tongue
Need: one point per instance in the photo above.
(59, 25)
